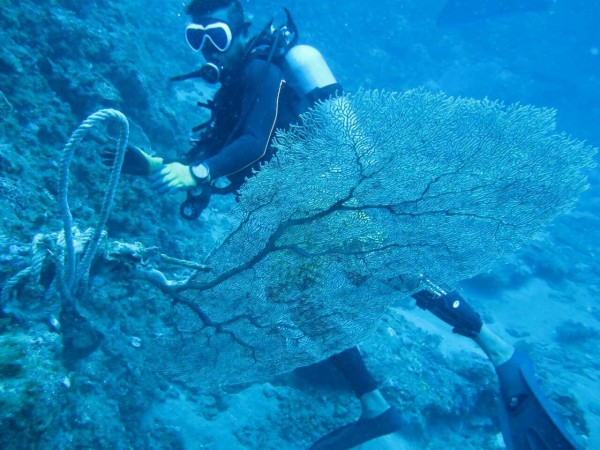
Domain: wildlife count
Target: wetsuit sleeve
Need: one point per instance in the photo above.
(262, 88)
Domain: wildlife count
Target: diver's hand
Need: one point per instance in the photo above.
(173, 176)
(135, 162)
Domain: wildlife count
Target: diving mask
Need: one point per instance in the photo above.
(218, 33)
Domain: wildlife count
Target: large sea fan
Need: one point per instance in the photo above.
(370, 192)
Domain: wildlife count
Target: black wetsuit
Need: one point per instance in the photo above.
(247, 110)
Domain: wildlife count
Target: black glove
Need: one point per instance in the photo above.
(136, 161)
(452, 309)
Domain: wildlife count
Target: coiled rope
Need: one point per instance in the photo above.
(71, 274)
(39, 251)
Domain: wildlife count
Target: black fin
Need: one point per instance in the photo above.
(363, 430)
(526, 417)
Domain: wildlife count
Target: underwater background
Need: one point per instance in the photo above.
(62, 60)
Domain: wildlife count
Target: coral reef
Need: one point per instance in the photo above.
(33, 386)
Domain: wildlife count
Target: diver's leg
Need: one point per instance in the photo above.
(378, 418)
(350, 363)
(527, 419)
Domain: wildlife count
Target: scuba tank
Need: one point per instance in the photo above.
(303, 66)
(308, 73)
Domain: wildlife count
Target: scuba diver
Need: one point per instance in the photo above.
(266, 81)
(263, 87)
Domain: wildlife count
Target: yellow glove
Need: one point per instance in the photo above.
(173, 176)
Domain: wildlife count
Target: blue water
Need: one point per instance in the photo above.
(545, 59)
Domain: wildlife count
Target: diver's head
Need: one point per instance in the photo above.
(219, 30)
